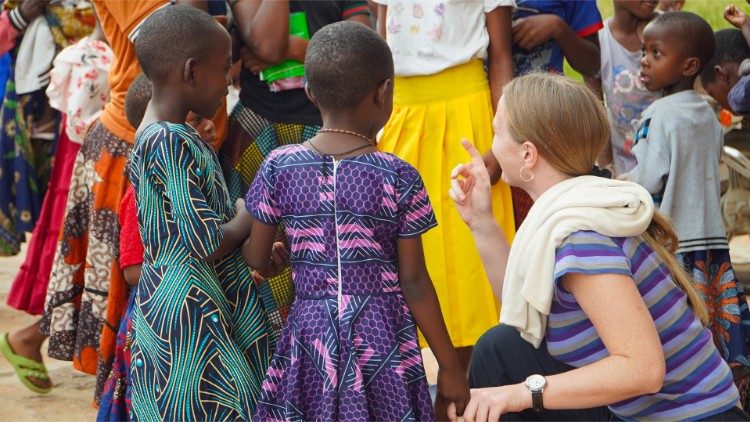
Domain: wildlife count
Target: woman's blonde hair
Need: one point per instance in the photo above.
(569, 127)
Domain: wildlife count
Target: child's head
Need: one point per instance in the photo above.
(641, 9)
(676, 47)
(136, 100)
(187, 55)
(720, 73)
(349, 67)
(550, 116)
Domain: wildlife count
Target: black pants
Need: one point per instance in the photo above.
(502, 357)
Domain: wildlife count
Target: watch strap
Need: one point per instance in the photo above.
(536, 401)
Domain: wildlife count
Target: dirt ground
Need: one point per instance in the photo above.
(71, 398)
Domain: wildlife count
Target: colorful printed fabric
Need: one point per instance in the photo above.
(115, 399)
(29, 288)
(697, 384)
(349, 350)
(25, 166)
(250, 139)
(727, 306)
(85, 263)
(28, 137)
(201, 344)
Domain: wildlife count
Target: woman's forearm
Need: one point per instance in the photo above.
(493, 250)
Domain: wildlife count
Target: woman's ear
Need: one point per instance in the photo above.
(310, 95)
(188, 73)
(384, 90)
(529, 154)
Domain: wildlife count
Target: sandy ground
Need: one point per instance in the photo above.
(71, 398)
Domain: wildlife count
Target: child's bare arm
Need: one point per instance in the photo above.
(582, 53)
(132, 274)
(235, 232)
(264, 27)
(257, 250)
(382, 16)
(500, 60)
(420, 295)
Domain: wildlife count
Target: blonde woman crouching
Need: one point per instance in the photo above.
(598, 319)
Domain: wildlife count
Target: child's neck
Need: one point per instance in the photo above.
(346, 121)
(684, 85)
(167, 105)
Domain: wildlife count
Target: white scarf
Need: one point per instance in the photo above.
(610, 207)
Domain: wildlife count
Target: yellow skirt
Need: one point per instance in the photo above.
(430, 116)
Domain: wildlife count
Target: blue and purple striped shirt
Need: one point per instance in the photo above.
(698, 383)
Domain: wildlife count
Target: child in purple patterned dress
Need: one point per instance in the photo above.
(353, 217)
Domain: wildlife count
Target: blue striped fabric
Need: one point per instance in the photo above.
(698, 383)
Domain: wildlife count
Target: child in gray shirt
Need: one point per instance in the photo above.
(677, 148)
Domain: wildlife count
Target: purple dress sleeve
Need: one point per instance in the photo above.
(260, 200)
(415, 215)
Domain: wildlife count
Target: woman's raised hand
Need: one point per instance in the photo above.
(470, 189)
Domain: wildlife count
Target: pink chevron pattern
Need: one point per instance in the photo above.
(355, 357)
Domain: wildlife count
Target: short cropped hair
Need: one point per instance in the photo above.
(136, 100)
(345, 61)
(731, 47)
(693, 34)
(170, 36)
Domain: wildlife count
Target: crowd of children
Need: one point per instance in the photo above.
(289, 259)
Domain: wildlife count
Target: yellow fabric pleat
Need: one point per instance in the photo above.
(430, 116)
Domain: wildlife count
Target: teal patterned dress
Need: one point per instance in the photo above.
(201, 344)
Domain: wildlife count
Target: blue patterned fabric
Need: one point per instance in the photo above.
(201, 344)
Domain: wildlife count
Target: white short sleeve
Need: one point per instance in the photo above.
(490, 5)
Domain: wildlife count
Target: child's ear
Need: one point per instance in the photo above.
(384, 90)
(720, 74)
(188, 73)
(692, 65)
(311, 96)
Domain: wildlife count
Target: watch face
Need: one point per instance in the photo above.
(536, 382)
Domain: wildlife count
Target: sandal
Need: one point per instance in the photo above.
(24, 367)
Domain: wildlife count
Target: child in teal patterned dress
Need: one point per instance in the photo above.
(201, 344)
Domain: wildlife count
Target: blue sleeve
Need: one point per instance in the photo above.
(415, 214)
(739, 96)
(588, 252)
(198, 225)
(260, 200)
(652, 154)
(583, 17)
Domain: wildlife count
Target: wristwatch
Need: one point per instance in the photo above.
(536, 383)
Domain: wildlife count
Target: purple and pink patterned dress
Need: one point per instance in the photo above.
(349, 348)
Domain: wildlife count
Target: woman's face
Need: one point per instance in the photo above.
(508, 152)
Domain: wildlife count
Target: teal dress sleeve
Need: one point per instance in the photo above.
(199, 226)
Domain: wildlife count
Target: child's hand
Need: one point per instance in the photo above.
(279, 257)
(735, 16)
(452, 389)
(532, 31)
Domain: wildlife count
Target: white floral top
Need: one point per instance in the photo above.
(79, 86)
(429, 36)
